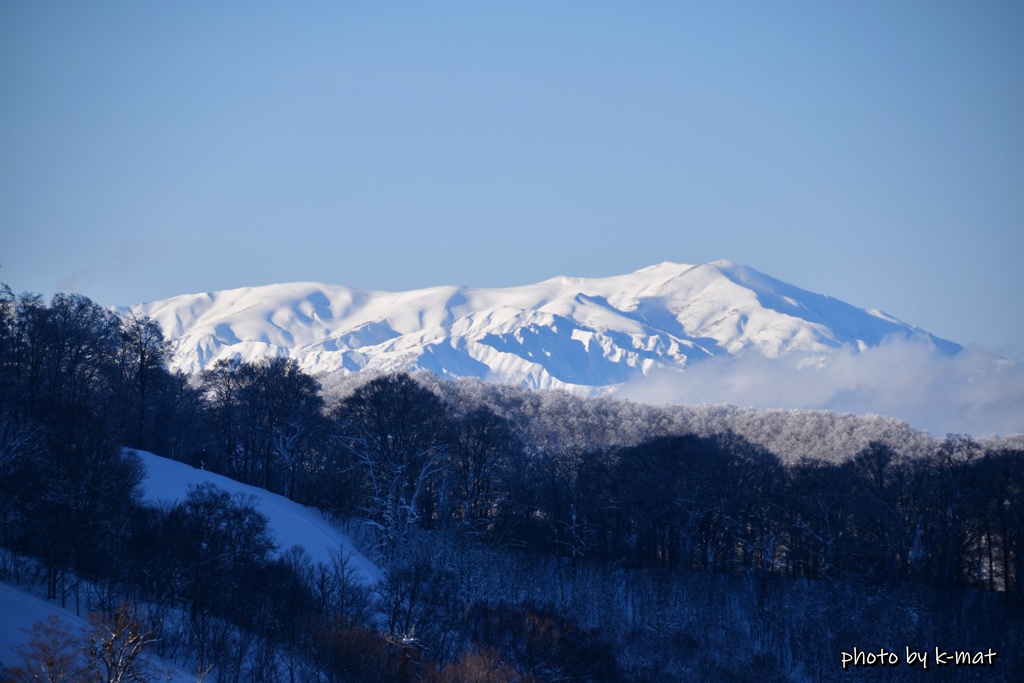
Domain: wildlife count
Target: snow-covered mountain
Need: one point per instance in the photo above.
(574, 333)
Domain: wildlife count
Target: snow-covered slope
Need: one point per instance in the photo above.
(19, 610)
(291, 524)
(168, 481)
(575, 333)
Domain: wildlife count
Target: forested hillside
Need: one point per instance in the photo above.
(525, 536)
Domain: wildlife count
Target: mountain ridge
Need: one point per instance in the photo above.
(575, 333)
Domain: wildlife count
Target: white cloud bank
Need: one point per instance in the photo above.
(974, 392)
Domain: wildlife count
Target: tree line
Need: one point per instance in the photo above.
(565, 484)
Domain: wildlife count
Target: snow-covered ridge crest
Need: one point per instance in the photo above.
(566, 332)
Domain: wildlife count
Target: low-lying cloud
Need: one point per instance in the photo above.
(973, 392)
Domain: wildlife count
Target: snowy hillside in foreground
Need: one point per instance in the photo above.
(20, 610)
(574, 333)
(167, 481)
(291, 524)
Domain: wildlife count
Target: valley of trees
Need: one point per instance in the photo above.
(525, 536)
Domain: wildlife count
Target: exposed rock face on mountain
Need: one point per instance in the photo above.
(574, 333)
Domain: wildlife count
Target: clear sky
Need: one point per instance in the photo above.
(872, 151)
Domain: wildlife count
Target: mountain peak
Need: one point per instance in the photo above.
(566, 332)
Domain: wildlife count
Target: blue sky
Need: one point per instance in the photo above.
(872, 151)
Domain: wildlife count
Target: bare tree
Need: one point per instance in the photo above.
(289, 406)
(107, 651)
(50, 656)
(115, 650)
(396, 432)
(142, 357)
(482, 445)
